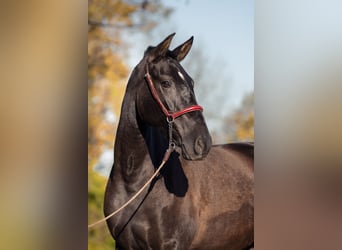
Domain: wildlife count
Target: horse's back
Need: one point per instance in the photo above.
(237, 155)
(244, 149)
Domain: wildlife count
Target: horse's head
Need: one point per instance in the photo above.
(167, 95)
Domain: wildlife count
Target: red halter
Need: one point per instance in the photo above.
(169, 114)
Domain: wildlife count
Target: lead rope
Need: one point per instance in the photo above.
(165, 158)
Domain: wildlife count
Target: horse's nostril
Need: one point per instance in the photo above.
(199, 145)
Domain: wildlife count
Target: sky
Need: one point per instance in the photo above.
(226, 29)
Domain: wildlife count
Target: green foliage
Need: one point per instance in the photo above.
(99, 236)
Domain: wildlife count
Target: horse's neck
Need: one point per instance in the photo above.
(142, 142)
(139, 148)
(130, 149)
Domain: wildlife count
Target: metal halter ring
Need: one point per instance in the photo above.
(170, 119)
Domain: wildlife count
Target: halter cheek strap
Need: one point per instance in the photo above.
(170, 116)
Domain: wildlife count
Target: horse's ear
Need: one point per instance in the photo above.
(161, 49)
(182, 50)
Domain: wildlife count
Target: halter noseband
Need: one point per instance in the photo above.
(170, 116)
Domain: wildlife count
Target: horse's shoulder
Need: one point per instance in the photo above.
(245, 148)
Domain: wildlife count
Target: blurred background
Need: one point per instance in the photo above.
(47, 195)
(221, 62)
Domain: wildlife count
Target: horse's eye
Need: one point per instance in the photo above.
(166, 84)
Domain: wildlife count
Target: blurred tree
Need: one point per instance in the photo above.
(212, 87)
(240, 124)
(108, 22)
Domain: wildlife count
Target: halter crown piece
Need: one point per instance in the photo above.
(170, 116)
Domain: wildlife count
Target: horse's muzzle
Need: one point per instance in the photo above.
(197, 150)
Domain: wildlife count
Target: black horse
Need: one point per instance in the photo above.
(202, 199)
